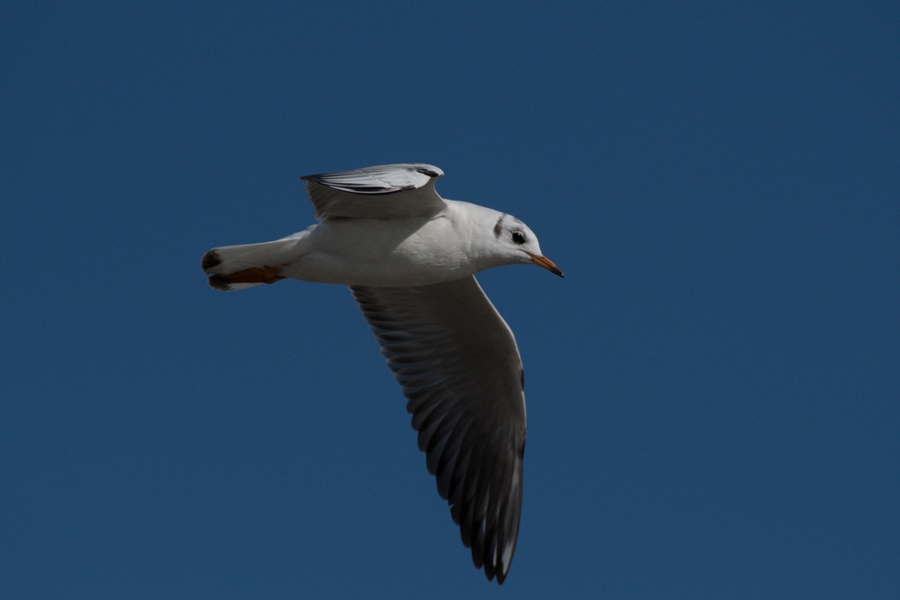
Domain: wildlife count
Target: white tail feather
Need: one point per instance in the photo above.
(222, 262)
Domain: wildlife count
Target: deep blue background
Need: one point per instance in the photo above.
(712, 391)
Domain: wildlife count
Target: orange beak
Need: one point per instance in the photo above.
(543, 261)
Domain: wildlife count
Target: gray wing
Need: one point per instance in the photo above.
(459, 367)
(382, 192)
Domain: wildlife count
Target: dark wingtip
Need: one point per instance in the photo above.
(210, 260)
(494, 572)
(429, 171)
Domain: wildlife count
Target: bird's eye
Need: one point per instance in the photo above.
(518, 237)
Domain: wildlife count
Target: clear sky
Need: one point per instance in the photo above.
(712, 390)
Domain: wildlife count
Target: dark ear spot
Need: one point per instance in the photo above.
(498, 228)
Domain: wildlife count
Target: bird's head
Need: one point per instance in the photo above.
(519, 243)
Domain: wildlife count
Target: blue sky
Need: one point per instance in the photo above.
(712, 390)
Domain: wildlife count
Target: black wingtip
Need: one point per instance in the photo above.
(430, 171)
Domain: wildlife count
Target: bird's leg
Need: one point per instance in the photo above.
(252, 275)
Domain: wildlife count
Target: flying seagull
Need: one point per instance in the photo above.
(410, 257)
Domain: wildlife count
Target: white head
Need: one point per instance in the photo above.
(516, 243)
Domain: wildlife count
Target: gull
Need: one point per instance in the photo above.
(409, 257)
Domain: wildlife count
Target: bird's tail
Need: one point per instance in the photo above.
(237, 267)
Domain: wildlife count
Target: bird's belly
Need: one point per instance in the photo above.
(389, 273)
(400, 253)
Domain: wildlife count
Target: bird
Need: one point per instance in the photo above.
(410, 259)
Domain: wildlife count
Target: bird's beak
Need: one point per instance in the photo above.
(543, 261)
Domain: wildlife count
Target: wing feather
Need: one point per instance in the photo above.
(457, 362)
(382, 192)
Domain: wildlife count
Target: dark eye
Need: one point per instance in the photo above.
(518, 237)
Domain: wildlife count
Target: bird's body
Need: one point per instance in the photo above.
(343, 251)
(409, 257)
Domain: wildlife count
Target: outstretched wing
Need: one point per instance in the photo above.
(459, 367)
(382, 192)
